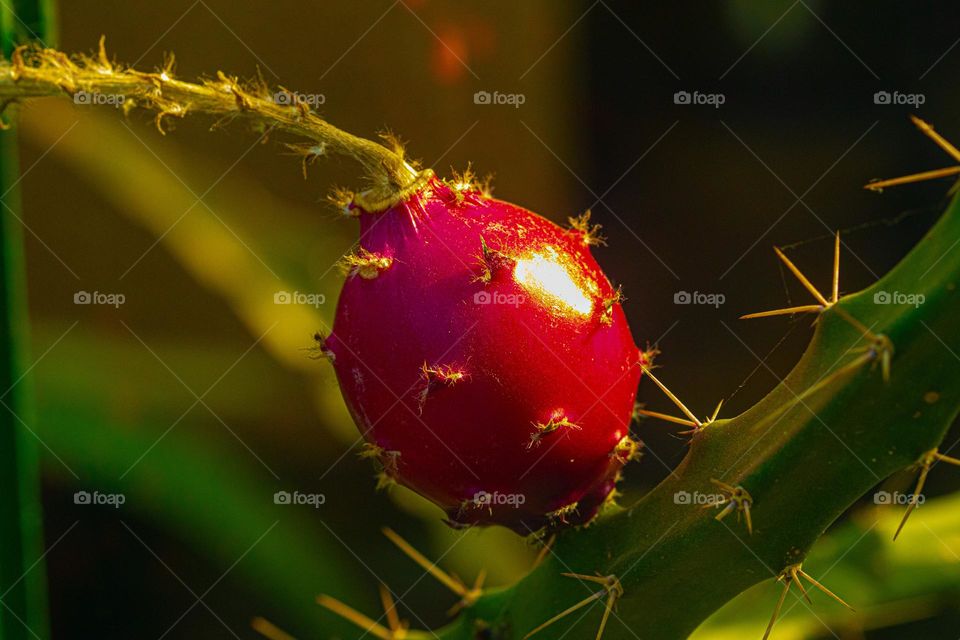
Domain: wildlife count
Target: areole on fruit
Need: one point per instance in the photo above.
(485, 357)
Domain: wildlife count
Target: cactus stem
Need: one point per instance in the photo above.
(468, 595)
(612, 589)
(736, 498)
(269, 630)
(850, 367)
(925, 464)
(788, 576)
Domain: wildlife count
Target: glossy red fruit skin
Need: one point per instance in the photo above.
(447, 376)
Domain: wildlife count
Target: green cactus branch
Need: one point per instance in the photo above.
(23, 600)
(803, 462)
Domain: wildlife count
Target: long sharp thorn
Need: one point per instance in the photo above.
(942, 458)
(481, 578)
(776, 610)
(924, 471)
(789, 311)
(931, 133)
(268, 630)
(664, 416)
(442, 576)
(748, 517)
(672, 397)
(611, 600)
(566, 612)
(727, 510)
(803, 590)
(802, 278)
(389, 608)
(880, 185)
(824, 589)
(588, 578)
(544, 551)
(716, 411)
(836, 269)
(354, 616)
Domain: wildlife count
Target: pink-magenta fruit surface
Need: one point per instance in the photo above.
(486, 360)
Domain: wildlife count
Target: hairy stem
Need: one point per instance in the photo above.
(22, 576)
(34, 72)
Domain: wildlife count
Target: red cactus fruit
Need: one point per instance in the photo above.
(485, 358)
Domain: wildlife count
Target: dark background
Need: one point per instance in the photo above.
(691, 198)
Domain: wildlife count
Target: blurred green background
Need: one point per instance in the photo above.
(196, 400)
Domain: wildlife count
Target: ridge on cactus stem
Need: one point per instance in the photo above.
(489, 354)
